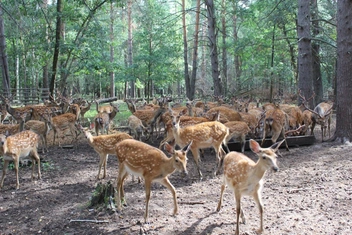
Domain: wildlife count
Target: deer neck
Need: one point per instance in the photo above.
(168, 167)
(258, 171)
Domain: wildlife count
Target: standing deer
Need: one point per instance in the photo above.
(245, 177)
(18, 146)
(321, 115)
(140, 159)
(274, 123)
(203, 135)
(104, 145)
(102, 119)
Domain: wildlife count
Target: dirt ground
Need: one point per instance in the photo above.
(310, 194)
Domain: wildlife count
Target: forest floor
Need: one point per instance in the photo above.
(310, 194)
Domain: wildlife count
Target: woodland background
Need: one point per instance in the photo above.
(196, 49)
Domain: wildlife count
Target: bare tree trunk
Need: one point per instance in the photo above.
(3, 57)
(272, 82)
(112, 73)
(195, 55)
(292, 55)
(57, 45)
(317, 79)
(213, 47)
(237, 59)
(344, 76)
(185, 53)
(224, 48)
(130, 46)
(305, 81)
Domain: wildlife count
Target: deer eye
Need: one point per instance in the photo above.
(176, 160)
(264, 157)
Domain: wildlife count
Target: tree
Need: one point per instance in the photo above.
(344, 76)
(3, 57)
(305, 82)
(213, 47)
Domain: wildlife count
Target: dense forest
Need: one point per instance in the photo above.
(195, 49)
(151, 48)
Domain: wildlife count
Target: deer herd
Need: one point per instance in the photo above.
(193, 126)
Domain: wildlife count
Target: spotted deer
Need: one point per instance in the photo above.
(20, 145)
(237, 130)
(42, 128)
(103, 119)
(137, 128)
(246, 177)
(104, 145)
(140, 159)
(203, 135)
(275, 123)
(321, 115)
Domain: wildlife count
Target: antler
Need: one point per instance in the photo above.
(295, 131)
(305, 102)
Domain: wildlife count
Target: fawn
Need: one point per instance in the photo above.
(140, 159)
(20, 145)
(245, 177)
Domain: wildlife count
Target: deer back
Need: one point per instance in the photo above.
(20, 144)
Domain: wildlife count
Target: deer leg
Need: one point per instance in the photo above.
(168, 185)
(119, 187)
(195, 153)
(105, 164)
(223, 186)
(238, 212)
(36, 157)
(4, 170)
(147, 197)
(258, 200)
(218, 159)
(101, 162)
(16, 163)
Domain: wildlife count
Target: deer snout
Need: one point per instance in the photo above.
(275, 168)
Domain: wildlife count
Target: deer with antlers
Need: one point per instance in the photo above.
(245, 177)
(20, 145)
(140, 159)
(321, 115)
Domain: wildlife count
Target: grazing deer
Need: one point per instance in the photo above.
(274, 123)
(321, 115)
(203, 135)
(245, 177)
(102, 120)
(237, 130)
(140, 159)
(137, 127)
(18, 146)
(105, 145)
(64, 121)
(42, 128)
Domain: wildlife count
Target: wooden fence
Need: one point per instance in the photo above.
(25, 96)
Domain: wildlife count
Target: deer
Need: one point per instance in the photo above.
(237, 130)
(66, 120)
(143, 160)
(321, 115)
(104, 145)
(20, 145)
(42, 128)
(17, 113)
(136, 126)
(103, 119)
(275, 122)
(246, 177)
(203, 135)
(228, 113)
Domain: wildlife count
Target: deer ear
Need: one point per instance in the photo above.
(255, 147)
(276, 146)
(169, 148)
(187, 148)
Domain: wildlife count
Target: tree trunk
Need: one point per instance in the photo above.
(130, 46)
(224, 48)
(305, 81)
(316, 72)
(344, 65)
(237, 59)
(213, 47)
(185, 53)
(57, 45)
(3, 57)
(195, 55)
(112, 73)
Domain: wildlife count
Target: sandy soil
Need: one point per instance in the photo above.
(311, 194)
